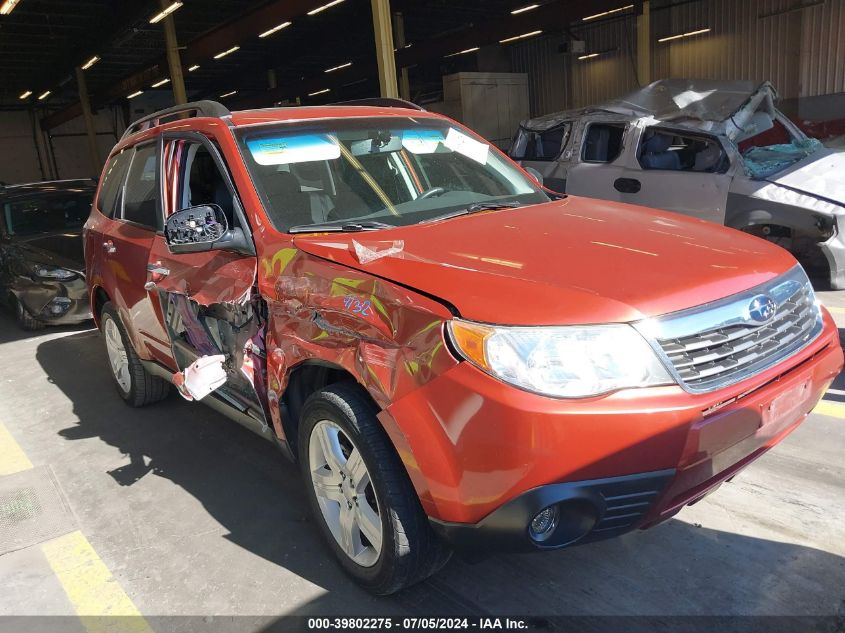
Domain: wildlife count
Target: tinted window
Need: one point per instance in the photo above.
(530, 145)
(113, 177)
(46, 213)
(139, 201)
(603, 142)
(665, 149)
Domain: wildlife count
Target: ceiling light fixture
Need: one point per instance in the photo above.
(229, 94)
(193, 68)
(160, 83)
(334, 68)
(606, 13)
(589, 56)
(682, 35)
(530, 7)
(319, 92)
(278, 27)
(8, 6)
(324, 7)
(519, 37)
(227, 52)
(28, 93)
(90, 62)
(135, 94)
(463, 52)
(44, 95)
(158, 17)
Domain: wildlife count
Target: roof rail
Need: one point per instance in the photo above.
(385, 102)
(198, 108)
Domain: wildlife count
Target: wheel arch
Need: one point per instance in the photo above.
(98, 298)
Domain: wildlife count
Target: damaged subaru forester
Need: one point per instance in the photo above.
(457, 358)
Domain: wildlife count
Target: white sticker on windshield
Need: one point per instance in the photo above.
(469, 147)
(293, 149)
(421, 141)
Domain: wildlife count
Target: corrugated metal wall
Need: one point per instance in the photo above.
(801, 51)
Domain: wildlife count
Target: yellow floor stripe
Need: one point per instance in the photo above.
(835, 309)
(12, 457)
(833, 409)
(101, 603)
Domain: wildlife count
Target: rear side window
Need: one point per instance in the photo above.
(139, 199)
(113, 176)
(603, 142)
(547, 145)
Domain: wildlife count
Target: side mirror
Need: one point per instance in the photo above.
(536, 175)
(204, 228)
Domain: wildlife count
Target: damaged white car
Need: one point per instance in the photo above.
(717, 150)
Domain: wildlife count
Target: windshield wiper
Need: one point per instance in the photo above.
(345, 227)
(475, 208)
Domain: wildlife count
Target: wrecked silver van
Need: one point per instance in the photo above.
(717, 150)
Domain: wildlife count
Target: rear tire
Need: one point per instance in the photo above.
(408, 551)
(25, 319)
(134, 383)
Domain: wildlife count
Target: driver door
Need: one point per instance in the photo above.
(206, 295)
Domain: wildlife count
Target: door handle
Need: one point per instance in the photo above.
(109, 247)
(157, 269)
(627, 185)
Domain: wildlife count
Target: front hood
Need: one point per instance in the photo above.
(59, 249)
(819, 175)
(577, 260)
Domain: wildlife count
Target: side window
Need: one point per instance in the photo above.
(199, 180)
(113, 176)
(668, 150)
(603, 142)
(139, 198)
(540, 146)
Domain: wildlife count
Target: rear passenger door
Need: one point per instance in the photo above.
(125, 240)
(599, 159)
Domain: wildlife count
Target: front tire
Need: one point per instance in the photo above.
(360, 494)
(25, 319)
(134, 383)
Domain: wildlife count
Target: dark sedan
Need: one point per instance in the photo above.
(42, 269)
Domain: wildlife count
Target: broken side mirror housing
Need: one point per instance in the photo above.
(203, 228)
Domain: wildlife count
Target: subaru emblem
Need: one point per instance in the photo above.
(762, 308)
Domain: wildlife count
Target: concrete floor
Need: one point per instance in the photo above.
(194, 515)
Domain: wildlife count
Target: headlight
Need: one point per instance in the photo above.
(561, 361)
(52, 272)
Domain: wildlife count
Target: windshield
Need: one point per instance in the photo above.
(47, 213)
(395, 171)
(772, 145)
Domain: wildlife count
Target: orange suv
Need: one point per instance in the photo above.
(456, 357)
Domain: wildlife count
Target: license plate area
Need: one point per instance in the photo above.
(787, 404)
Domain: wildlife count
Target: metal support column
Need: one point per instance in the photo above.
(173, 58)
(384, 48)
(644, 44)
(399, 40)
(91, 133)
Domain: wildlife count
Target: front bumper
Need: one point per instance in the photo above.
(484, 457)
(53, 302)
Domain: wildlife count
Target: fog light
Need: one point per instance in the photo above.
(543, 524)
(56, 307)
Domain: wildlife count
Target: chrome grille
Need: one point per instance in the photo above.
(720, 343)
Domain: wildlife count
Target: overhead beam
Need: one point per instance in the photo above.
(90, 132)
(174, 64)
(199, 50)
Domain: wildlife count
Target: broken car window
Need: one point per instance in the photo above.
(666, 149)
(603, 142)
(397, 171)
(774, 148)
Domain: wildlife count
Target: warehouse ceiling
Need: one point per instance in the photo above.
(42, 41)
